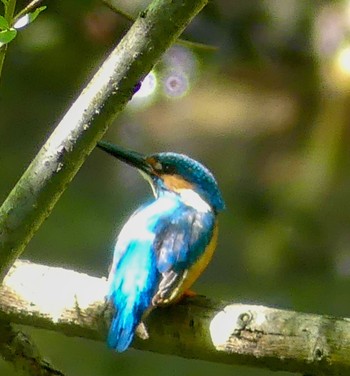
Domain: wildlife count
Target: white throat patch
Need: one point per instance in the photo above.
(191, 198)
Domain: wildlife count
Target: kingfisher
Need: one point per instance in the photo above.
(166, 244)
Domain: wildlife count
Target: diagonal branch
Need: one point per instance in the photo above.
(38, 190)
(197, 328)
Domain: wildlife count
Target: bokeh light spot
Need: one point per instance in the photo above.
(181, 58)
(148, 86)
(146, 93)
(344, 60)
(176, 84)
(22, 22)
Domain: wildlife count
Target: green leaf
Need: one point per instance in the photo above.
(35, 14)
(4, 25)
(5, 2)
(28, 18)
(7, 36)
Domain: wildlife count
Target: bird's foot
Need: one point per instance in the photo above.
(141, 331)
(189, 294)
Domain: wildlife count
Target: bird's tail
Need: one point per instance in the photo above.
(132, 286)
(123, 326)
(131, 293)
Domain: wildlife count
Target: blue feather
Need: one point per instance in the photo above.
(182, 237)
(132, 290)
(134, 276)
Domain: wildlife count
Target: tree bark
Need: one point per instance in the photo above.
(196, 328)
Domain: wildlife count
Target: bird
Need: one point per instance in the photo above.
(166, 243)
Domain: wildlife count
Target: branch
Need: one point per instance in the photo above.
(196, 328)
(17, 348)
(38, 190)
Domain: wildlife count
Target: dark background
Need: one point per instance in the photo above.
(268, 112)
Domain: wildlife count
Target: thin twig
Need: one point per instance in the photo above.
(194, 45)
(122, 13)
(30, 7)
(3, 50)
(182, 42)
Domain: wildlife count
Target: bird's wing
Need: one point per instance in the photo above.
(181, 239)
(140, 227)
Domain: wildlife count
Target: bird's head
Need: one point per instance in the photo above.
(172, 172)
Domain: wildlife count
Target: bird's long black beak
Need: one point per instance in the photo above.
(132, 158)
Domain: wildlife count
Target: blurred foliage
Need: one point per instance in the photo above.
(268, 112)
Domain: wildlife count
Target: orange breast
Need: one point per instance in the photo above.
(191, 275)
